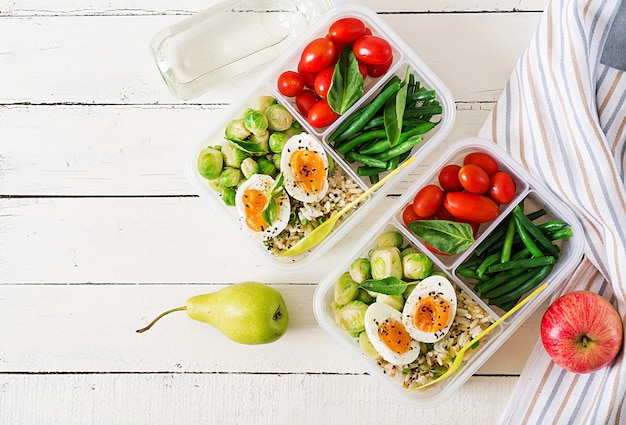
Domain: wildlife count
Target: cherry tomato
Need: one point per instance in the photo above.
(483, 160)
(372, 50)
(444, 214)
(433, 249)
(449, 178)
(368, 31)
(470, 207)
(308, 77)
(502, 188)
(363, 69)
(338, 49)
(409, 216)
(427, 200)
(376, 71)
(290, 83)
(474, 179)
(323, 80)
(304, 101)
(317, 55)
(320, 115)
(346, 30)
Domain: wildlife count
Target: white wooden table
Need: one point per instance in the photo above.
(100, 229)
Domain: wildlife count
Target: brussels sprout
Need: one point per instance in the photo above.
(210, 163)
(256, 122)
(228, 196)
(367, 347)
(396, 301)
(236, 129)
(276, 160)
(386, 262)
(277, 141)
(278, 117)
(231, 177)
(417, 266)
(365, 296)
(334, 308)
(360, 270)
(391, 238)
(351, 317)
(217, 185)
(407, 292)
(295, 128)
(408, 250)
(249, 167)
(346, 289)
(266, 166)
(233, 156)
(261, 103)
(261, 139)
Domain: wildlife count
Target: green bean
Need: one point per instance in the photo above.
(392, 163)
(470, 273)
(537, 277)
(509, 305)
(561, 234)
(508, 286)
(366, 171)
(399, 149)
(422, 111)
(491, 259)
(384, 145)
(419, 96)
(374, 178)
(527, 263)
(366, 113)
(347, 145)
(505, 255)
(552, 226)
(527, 240)
(498, 280)
(376, 147)
(353, 156)
(534, 231)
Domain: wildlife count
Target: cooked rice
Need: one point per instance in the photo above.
(435, 359)
(341, 191)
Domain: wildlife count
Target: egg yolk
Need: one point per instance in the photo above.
(254, 201)
(432, 313)
(308, 170)
(393, 334)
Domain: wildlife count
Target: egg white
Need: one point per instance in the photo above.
(376, 314)
(432, 285)
(263, 182)
(295, 143)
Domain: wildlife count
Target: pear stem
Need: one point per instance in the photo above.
(159, 316)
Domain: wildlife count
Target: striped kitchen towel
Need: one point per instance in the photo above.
(562, 115)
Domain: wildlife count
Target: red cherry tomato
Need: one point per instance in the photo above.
(346, 30)
(290, 83)
(372, 50)
(444, 214)
(470, 207)
(433, 249)
(502, 188)
(317, 55)
(363, 69)
(320, 115)
(323, 80)
(376, 71)
(368, 31)
(449, 178)
(308, 77)
(409, 216)
(427, 200)
(474, 179)
(483, 160)
(304, 102)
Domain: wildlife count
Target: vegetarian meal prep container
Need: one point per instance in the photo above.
(536, 196)
(266, 84)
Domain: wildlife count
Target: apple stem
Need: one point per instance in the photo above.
(585, 341)
(142, 330)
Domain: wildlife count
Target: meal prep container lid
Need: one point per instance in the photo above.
(229, 39)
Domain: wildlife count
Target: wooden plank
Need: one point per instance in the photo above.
(232, 399)
(108, 153)
(110, 62)
(91, 329)
(182, 7)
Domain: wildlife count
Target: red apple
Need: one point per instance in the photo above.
(582, 332)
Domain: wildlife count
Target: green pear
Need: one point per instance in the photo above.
(247, 312)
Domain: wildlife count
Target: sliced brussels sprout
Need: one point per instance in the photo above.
(236, 129)
(386, 262)
(417, 266)
(249, 167)
(279, 118)
(351, 317)
(360, 269)
(233, 156)
(391, 238)
(261, 103)
(367, 347)
(346, 289)
(395, 301)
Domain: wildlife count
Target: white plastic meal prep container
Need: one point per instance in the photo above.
(266, 84)
(536, 196)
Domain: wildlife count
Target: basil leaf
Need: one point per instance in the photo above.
(389, 286)
(269, 212)
(446, 236)
(346, 86)
(249, 147)
(393, 113)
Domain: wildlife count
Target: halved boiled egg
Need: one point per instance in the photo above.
(251, 199)
(384, 328)
(304, 164)
(430, 309)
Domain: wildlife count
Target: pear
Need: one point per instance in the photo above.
(247, 312)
